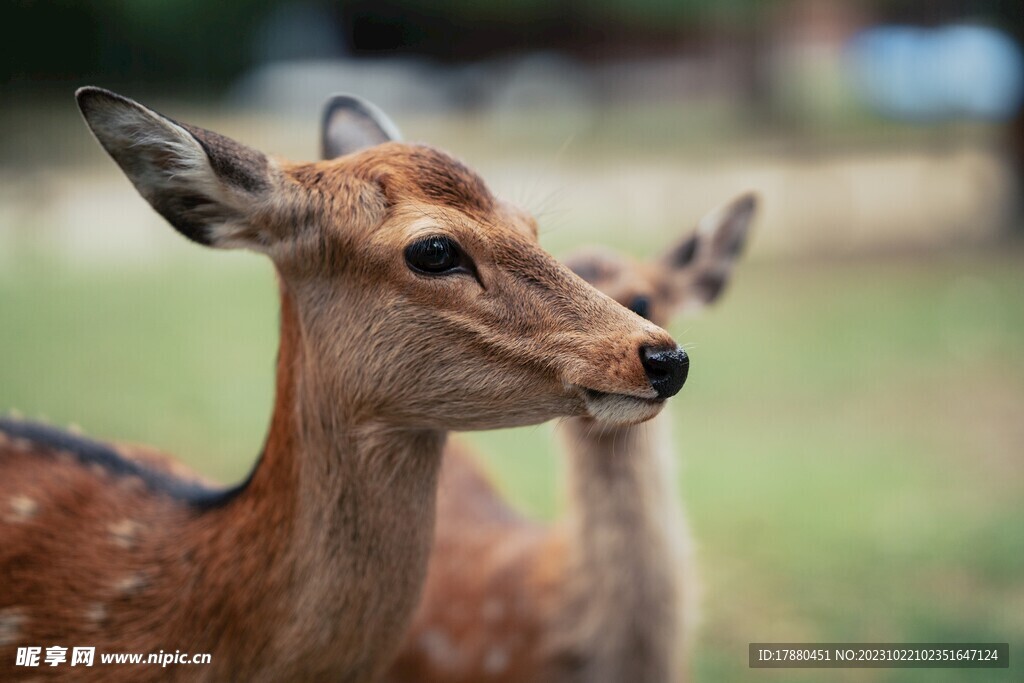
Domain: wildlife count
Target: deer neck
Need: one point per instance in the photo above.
(627, 542)
(335, 524)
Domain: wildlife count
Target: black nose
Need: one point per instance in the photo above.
(666, 369)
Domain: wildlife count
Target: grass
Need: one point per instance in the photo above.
(851, 432)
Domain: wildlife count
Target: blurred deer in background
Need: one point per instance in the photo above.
(412, 302)
(605, 595)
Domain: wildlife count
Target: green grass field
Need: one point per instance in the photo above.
(852, 433)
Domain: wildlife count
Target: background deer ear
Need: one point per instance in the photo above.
(697, 269)
(203, 183)
(351, 124)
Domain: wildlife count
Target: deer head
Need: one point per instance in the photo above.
(421, 300)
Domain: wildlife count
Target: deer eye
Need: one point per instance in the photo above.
(641, 305)
(436, 255)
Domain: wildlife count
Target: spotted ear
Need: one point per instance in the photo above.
(206, 185)
(697, 270)
(351, 124)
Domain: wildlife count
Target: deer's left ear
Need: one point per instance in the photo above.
(351, 124)
(697, 269)
(207, 186)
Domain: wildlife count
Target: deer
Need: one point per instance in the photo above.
(607, 593)
(413, 302)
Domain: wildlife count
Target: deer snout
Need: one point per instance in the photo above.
(666, 369)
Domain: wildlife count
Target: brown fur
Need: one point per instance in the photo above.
(606, 594)
(312, 571)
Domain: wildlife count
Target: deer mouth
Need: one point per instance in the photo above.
(620, 409)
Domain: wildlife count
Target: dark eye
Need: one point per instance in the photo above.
(435, 255)
(641, 305)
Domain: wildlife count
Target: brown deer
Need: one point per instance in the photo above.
(413, 302)
(605, 594)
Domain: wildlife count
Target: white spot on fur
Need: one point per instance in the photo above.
(11, 621)
(97, 613)
(22, 508)
(23, 445)
(439, 648)
(493, 610)
(98, 469)
(130, 583)
(124, 532)
(496, 660)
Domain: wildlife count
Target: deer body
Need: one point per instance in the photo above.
(412, 302)
(605, 594)
(270, 553)
(625, 610)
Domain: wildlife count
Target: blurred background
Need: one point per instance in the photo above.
(852, 433)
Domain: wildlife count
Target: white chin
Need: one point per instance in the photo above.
(618, 409)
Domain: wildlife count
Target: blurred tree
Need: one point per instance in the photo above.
(49, 40)
(468, 29)
(1010, 14)
(186, 41)
(198, 42)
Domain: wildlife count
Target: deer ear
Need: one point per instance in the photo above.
(203, 183)
(351, 124)
(698, 268)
